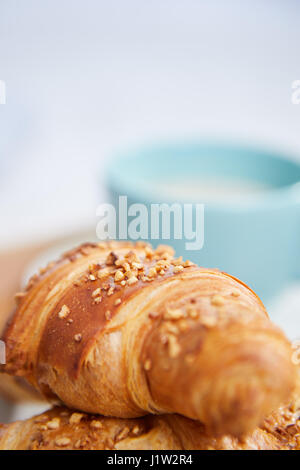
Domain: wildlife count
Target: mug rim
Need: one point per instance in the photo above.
(121, 183)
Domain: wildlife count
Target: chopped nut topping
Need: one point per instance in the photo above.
(148, 252)
(123, 263)
(119, 276)
(137, 265)
(92, 277)
(95, 424)
(118, 301)
(64, 312)
(193, 312)
(62, 441)
(98, 300)
(132, 280)
(122, 434)
(53, 424)
(162, 264)
(235, 293)
(110, 291)
(178, 269)
(152, 272)
(78, 337)
(147, 364)
(111, 259)
(77, 444)
(172, 328)
(135, 431)
(188, 263)
(123, 283)
(102, 273)
(173, 347)
(217, 300)
(173, 314)
(161, 272)
(126, 266)
(131, 256)
(75, 418)
(108, 315)
(96, 292)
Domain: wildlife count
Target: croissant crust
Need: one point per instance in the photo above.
(120, 329)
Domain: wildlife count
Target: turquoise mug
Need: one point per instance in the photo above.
(251, 216)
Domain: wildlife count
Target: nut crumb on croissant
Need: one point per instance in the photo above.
(215, 356)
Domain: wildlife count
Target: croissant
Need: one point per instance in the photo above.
(17, 390)
(62, 429)
(120, 329)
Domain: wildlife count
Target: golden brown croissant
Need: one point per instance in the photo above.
(61, 429)
(15, 389)
(121, 330)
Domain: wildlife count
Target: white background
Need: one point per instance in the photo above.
(84, 78)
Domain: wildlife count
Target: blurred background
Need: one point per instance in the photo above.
(86, 79)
